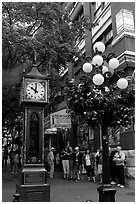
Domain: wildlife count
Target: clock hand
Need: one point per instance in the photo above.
(34, 89)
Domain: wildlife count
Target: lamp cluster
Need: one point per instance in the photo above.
(104, 69)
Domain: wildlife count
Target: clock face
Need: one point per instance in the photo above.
(35, 90)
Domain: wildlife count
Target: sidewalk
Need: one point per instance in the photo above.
(66, 190)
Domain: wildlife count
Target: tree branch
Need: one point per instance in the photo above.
(10, 19)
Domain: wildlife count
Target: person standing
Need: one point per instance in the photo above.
(99, 164)
(89, 163)
(46, 163)
(78, 164)
(51, 162)
(11, 156)
(71, 163)
(5, 157)
(57, 159)
(16, 162)
(112, 166)
(65, 162)
(119, 158)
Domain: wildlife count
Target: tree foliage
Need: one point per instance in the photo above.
(43, 27)
(95, 105)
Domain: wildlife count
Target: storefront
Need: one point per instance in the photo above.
(57, 127)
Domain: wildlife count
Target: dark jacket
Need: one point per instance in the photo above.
(79, 157)
(64, 155)
(111, 157)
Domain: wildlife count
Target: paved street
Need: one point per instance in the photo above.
(66, 190)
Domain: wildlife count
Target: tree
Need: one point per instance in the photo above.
(28, 27)
(44, 27)
(99, 105)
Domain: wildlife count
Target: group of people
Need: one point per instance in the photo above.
(74, 161)
(13, 159)
(74, 164)
(116, 165)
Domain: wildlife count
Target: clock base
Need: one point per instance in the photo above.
(33, 185)
(34, 193)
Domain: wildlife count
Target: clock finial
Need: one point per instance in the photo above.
(34, 56)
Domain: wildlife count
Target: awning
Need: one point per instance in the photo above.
(51, 131)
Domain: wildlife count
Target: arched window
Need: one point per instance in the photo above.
(34, 138)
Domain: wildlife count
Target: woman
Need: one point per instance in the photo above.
(89, 163)
(65, 162)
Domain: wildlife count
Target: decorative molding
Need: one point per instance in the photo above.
(128, 56)
(121, 36)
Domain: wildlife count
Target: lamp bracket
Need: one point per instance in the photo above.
(110, 55)
(88, 59)
(120, 73)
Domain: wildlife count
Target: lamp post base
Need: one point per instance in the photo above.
(106, 193)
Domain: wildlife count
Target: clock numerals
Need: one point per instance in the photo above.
(35, 90)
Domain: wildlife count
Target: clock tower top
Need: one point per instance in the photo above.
(34, 73)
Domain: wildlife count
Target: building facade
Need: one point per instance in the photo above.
(114, 25)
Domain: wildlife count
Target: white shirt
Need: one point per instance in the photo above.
(119, 158)
(88, 160)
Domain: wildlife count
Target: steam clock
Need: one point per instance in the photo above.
(33, 99)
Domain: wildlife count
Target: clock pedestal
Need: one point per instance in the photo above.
(33, 183)
(34, 187)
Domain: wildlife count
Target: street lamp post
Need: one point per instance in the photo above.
(103, 68)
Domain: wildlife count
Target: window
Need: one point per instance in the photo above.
(98, 4)
(125, 21)
(97, 9)
(109, 35)
(34, 138)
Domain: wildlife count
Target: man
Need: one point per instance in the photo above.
(78, 164)
(119, 158)
(51, 162)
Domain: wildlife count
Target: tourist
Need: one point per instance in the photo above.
(11, 157)
(89, 163)
(51, 162)
(16, 161)
(57, 162)
(71, 163)
(5, 157)
(112, 165)
(119, 158)
(65, 162)
(78, 164)
(99, 164)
